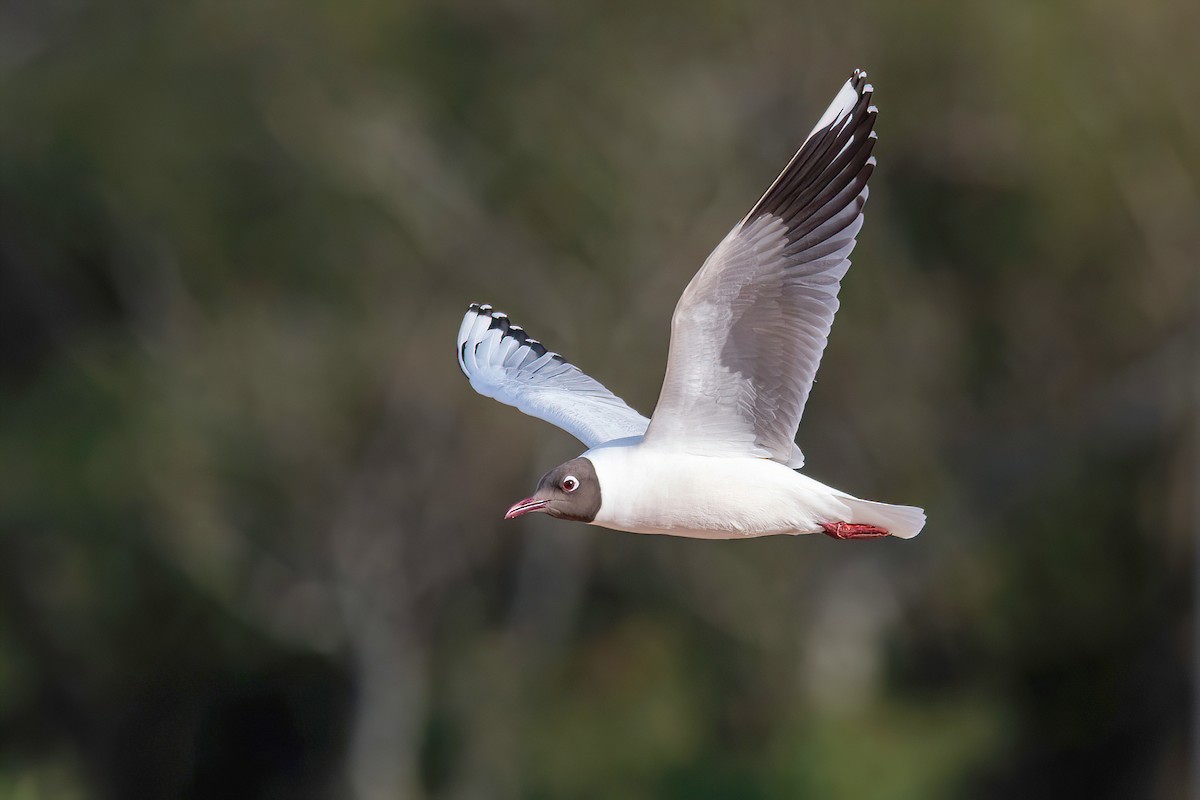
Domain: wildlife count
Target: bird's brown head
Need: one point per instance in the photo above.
(569, 491)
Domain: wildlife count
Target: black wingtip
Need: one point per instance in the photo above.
(508, 330)
(499, 320)
(827, 162)
(832, 159)
(858, 80)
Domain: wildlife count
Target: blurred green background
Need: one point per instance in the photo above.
(250, 535)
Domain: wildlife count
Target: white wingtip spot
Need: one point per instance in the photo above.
(842, 105)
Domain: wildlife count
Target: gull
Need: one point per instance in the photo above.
(718, 459)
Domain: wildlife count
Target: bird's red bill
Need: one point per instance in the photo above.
(526, 506)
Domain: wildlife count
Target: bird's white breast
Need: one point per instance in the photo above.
(652, 490)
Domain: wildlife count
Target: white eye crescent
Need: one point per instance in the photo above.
(570, 484)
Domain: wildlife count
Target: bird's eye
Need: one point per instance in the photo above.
(570, 483)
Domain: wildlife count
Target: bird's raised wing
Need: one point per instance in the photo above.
(503, 362)
(749, 330)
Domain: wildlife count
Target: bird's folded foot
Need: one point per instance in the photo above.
(850, 530)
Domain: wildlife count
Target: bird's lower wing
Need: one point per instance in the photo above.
(504, 363)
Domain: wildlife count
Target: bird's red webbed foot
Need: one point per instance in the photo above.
(850, 530)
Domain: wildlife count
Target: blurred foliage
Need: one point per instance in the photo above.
(249, 535)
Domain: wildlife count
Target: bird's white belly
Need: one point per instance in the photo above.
(648, 490)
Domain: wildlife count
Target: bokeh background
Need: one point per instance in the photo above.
(250, 535)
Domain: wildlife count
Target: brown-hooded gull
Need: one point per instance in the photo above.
(717, 460)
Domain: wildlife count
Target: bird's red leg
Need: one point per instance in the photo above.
(850, 530)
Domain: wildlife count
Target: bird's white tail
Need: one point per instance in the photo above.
(904, 522)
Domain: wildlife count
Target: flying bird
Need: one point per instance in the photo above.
(718, 459)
